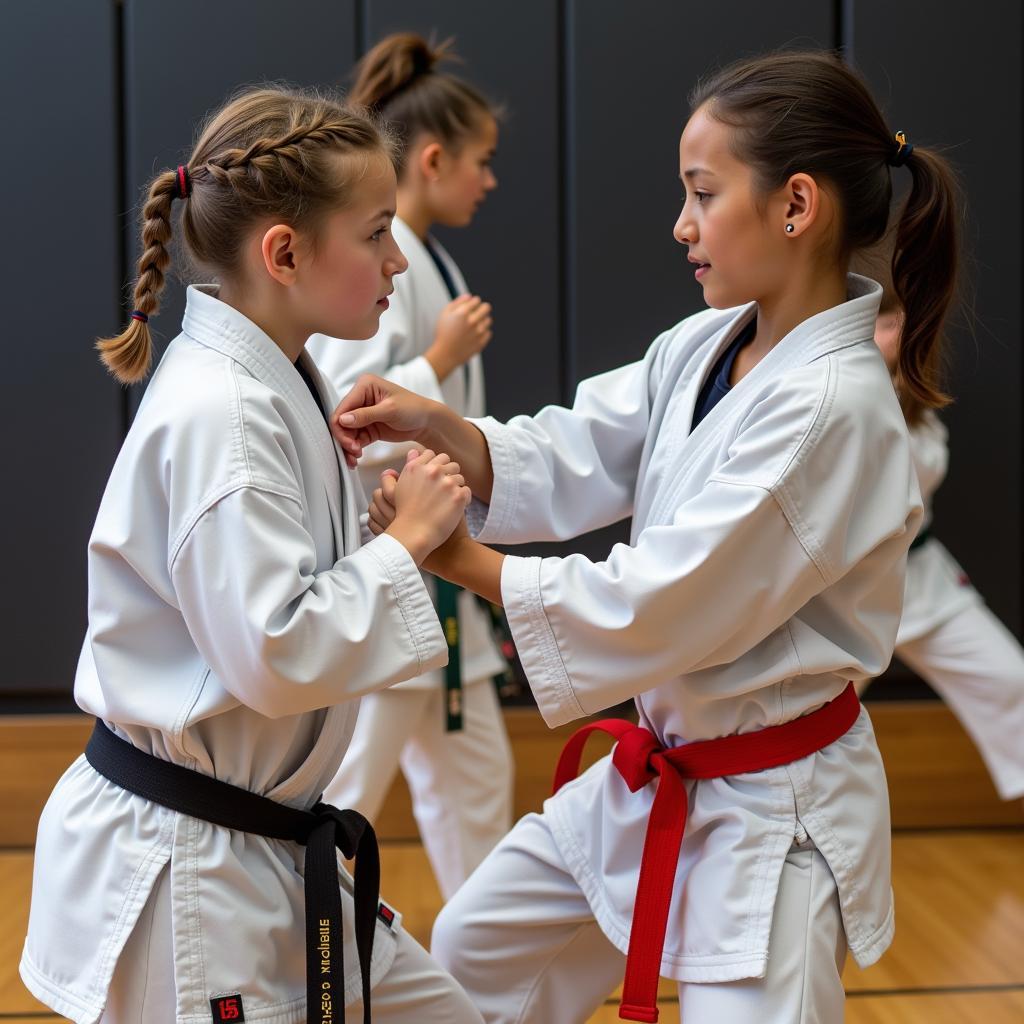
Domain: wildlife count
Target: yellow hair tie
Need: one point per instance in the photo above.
(903, 150)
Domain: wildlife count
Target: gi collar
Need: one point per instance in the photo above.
(214, 324)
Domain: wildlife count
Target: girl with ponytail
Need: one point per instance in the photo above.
(444, 728)
(737, 840)
(185, 864)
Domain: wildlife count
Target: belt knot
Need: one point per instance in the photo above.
(345, 828)
(634, 757)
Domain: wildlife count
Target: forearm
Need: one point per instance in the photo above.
(448, 432)
(470, 565)
(440, 362)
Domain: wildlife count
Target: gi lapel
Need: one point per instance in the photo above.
(431, 291)
(850, 323)
(676, 397)
(224, 329)
(338, 482)
(466, 386)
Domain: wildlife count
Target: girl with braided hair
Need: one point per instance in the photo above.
(238, 609)
(444, 728)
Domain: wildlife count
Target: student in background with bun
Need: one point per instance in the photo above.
(444, 728)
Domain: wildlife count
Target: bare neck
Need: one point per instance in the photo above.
(289, 337)
(414, 211)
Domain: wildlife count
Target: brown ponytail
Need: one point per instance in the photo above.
(811, 113)
(924, 277)
(398, 79)
(267, 152)
(128, 355)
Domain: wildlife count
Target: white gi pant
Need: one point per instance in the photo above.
(520, 938)
(414, 991)
(976, 666)
(460, 782)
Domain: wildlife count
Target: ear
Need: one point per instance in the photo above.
(278, 250)
(802, 203)
(429, 160)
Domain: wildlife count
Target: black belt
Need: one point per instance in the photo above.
(448, 613)
(922, 538)
(323, 830)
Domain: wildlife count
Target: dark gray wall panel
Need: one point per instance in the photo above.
(61, 267)
(955, 83)
(510, 254)
(631, 67)
(183, 60)
(600, 83)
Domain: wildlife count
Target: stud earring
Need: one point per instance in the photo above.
(790, 229)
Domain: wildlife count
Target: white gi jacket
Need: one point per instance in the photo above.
(937, 588)
(395, 353)
(234, 619)
(765, 570)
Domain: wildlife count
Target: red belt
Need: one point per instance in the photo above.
(639, 759)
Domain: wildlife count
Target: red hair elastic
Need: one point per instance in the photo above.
(184, 182)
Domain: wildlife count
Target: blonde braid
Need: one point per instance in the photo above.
(128, 355)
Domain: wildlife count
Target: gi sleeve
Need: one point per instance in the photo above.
(698, 592)
(284, 639)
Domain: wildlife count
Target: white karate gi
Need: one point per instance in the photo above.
(765, 570)
(234, 619)
(953, 641)
(461, 782)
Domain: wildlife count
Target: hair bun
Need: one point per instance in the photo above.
(393, 65)
(424, 57)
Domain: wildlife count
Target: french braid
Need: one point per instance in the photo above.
(266, 152)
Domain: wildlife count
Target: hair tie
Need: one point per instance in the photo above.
(137, 314)
(902, 151)
(184, 182)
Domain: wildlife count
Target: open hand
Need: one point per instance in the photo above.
(377, 410)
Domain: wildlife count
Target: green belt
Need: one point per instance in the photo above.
(448, 613)
(922, 538)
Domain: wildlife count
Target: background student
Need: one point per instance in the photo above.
(445, 727)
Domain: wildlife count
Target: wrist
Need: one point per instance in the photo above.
(436, 434)
(440, 362)
(416, 540)
(444, 560)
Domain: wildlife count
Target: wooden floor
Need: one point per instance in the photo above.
(958, 957)
(958, 858)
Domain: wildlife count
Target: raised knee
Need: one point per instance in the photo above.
(447, 940)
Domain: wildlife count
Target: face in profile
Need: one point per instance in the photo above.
(465, 177)
(737, 251)
(346, 285)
